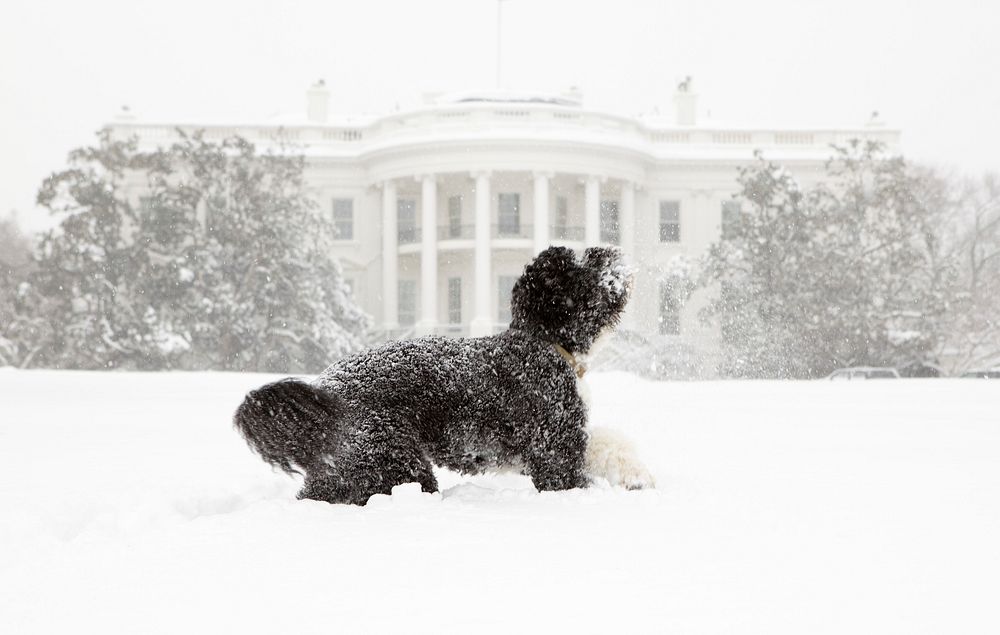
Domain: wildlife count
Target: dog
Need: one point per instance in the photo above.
(510, 401)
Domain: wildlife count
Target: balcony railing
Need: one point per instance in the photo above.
(456, 232)
(408, 235)
(511, 231)
(566, 233)
(412, 235)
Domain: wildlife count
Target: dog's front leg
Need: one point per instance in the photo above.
(557, 457)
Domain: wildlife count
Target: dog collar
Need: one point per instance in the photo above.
(578, 367)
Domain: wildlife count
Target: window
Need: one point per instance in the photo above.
(670, 221)
(145, 208)
(407, 302)
(562, 217)
(609, 222)
(406, 211)
(454, 300)
(343, 218)
(505, 284)
(670, 310)
(509, 214)
(455, 217)
(730, 219)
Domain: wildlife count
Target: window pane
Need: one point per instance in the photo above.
(609, 222)
(670, 221)
(670, 311)
(455, 217)
(730, 218)
(145, 207)
(343, 218)
(562, 213)
(509, 211)
(670, 232)
(406, 209)
(505, 284)
(407, 302)
(454, 300)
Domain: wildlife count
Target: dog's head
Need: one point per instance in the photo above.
(568, 301)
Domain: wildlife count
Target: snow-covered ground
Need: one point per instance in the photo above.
(129, 505)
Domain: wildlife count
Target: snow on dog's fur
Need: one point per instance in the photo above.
(387, 415)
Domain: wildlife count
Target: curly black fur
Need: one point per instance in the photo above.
(385, 416)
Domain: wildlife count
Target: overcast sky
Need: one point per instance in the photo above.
(931, 68)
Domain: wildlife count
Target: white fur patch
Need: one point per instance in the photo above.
(611, 456)
(583, 389)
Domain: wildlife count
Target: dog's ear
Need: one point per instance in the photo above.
(613, 272)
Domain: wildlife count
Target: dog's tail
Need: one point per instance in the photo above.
(288, 423)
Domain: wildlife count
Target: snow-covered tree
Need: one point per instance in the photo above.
(224, 263)
(85, 280)
(848, 273)
(974, 328)
(15, 256)
(244, 255)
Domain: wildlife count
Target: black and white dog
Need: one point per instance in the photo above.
(510, 401)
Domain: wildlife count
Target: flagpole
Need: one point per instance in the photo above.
(499, 38)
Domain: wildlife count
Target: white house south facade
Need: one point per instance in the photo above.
(439, 207)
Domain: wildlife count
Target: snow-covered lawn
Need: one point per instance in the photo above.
(129, 505)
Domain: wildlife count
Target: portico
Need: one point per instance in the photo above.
(514, 215)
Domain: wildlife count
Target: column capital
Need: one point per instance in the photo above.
(476, 174)
(424, 177)
(594, 178)
(543, 174)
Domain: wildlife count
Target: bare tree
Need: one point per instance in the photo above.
(975, 340)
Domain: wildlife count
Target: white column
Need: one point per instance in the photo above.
(482, 320)
(626, 220)
(541, 210)
(626, 229)
(390, 258)
(428, 256)
(592, 212)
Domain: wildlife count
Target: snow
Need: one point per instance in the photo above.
(130, 505)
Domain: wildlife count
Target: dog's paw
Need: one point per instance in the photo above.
(637, 477)
(610, 456)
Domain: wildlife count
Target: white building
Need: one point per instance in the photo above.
(440, 207)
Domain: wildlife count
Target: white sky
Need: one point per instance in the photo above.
(931, 68)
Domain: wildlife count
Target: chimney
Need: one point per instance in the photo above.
(573, 94)
(317, 101)
(686, 103)
(125, 114)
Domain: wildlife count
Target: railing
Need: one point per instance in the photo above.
(611, 237)
(511, 231)
(456, 232)
(408, 235)
(412, 235)
(566, 233)
(484, 116)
